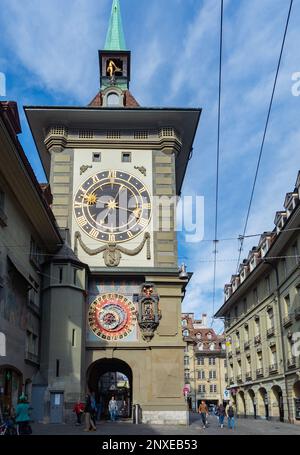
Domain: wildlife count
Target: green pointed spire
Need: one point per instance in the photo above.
(115, 39)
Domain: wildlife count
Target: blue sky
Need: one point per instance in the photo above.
(49, 55)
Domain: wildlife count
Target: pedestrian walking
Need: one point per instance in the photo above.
(221, 414)
(88, 409)
(230, 413)
(22, 416)
(79, 410)
(203, 411)
(113, 408)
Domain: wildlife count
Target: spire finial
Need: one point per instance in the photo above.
(115, 39)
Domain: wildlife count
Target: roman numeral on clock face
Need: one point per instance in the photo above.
(81, 221)
(112, 175)
(143, 222)
(96, 179)
(94, 233)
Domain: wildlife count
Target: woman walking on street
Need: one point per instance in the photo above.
(22, 416)
(230, 413)
(221, 414)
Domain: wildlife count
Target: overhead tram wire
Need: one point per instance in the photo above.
(215, 242)
(264, 135)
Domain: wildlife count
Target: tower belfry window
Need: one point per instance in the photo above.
(113, 99)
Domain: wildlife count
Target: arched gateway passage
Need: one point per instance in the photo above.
(111, 377)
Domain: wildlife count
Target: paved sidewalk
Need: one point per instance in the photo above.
(243, 427)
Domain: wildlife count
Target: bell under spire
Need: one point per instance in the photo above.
(115, 38)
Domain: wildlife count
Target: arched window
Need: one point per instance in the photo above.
(200, 346)
(184, 323)
(185, 333)
(209, 336)
(113, 99)
(199, 336)
(212, 346)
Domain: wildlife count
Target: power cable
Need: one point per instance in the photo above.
(264, 135)
(215, 242)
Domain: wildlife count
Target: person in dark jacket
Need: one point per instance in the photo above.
(221, 414)
(89, 424)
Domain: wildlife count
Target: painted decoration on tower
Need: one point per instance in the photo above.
(112, 310)
(112, 317)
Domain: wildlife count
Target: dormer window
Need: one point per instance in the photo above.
(209, 336)
(113, 99)
(199, 336)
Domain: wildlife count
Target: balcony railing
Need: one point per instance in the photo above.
(291, 363)
(246, 345)
(297, 314)
(259, 372)
(287, 320)
(273, 368)
(270, 331)
(257, 339)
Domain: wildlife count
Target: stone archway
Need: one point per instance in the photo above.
(296, 393)
(241, 403)
(276, 403)
(262, 403)
(111, 377)
(252, 405)
(11, 383)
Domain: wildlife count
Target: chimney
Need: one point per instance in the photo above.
(204, 320)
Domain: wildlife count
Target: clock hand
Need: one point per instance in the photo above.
(121, 188)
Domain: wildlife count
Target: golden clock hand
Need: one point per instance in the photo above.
(123, 208)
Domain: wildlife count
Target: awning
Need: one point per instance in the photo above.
(20, 269)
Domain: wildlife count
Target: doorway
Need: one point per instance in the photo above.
(56, 407)
(107, 378)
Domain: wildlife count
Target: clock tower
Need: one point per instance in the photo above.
(116, 170)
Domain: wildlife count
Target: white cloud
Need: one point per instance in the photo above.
(57, 42)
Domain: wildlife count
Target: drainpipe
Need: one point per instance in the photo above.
(282, 334)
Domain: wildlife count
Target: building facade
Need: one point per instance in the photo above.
(112, 292)
(28, 234)
(262, 322)
(204, 362)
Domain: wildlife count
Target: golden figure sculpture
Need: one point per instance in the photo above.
(112, 68)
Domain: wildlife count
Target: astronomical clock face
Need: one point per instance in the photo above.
(112, 317)
(112, 206)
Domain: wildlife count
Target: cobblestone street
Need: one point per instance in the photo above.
(243, 427)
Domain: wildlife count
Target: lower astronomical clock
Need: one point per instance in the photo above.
(112, 317)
